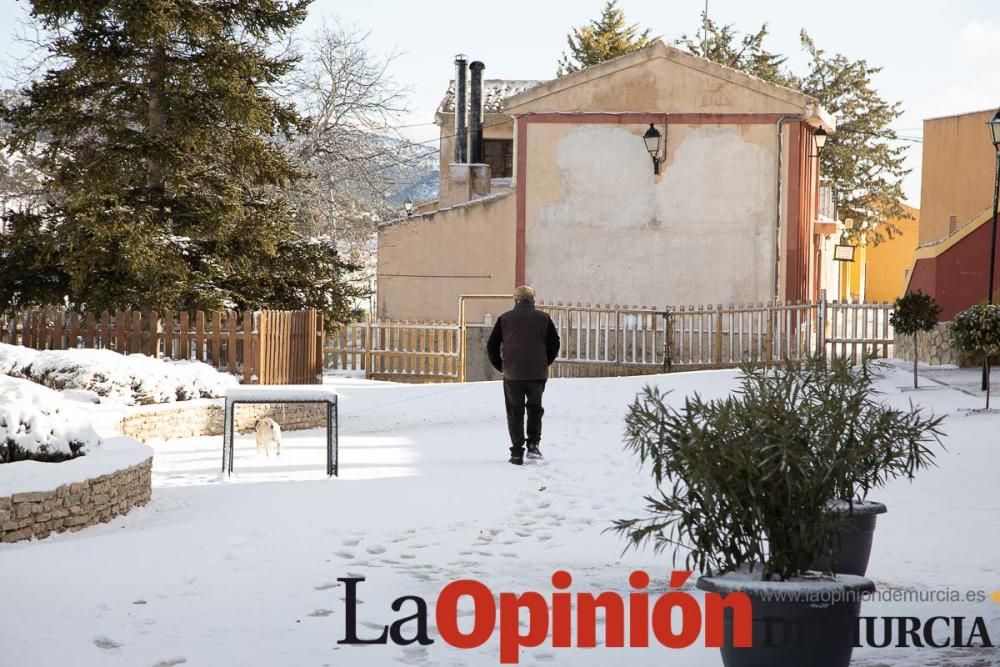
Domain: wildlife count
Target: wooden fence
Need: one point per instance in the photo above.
(606, 340)
(397, 351)
(619, 340)
(269, 347)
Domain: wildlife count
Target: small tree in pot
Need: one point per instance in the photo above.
(977, 330)
(912, 313)
(744, 486)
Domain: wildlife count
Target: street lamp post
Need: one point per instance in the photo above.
(994, 125)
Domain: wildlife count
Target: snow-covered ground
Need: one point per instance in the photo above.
(243, 571)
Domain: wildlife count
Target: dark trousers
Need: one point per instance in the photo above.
(522, 396)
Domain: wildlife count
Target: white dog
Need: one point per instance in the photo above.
(268, 431)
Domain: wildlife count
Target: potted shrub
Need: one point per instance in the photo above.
(881, 444)
(744, 491)
(912, 313)
(977, 330)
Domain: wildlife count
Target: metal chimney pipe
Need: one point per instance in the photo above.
(476, 113)
(461, 136)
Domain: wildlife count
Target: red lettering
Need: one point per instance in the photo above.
(511, 639)
(715, 606)
(562, 609)
(484, 617)
(638, 610)
(586, 619)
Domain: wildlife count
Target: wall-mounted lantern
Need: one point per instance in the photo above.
(819, 138)
(408, 207)
(652, 139)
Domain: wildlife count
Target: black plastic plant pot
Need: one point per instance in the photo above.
(807, 621)
(854, 546)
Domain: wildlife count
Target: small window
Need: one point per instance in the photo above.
(499, 154)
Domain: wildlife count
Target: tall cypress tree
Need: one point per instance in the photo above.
(162, 150)
(606, 38)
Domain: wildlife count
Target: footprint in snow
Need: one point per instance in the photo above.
(376, 549)
(413, 655)
(344, 554)
(171, 662)
(352, 542)
(320, 613)
(106, 643)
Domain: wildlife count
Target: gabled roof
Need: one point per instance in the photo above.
(495, 94)
(658, 49)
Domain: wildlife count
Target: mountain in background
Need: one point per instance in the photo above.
(416, 176)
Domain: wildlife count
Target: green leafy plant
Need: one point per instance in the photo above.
(748, 481)
(912, 313)
(977, 330)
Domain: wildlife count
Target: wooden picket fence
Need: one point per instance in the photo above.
(618, 340)
(396, 351)
(267, 347)
(609, 340)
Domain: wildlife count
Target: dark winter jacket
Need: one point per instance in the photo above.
(524, 343)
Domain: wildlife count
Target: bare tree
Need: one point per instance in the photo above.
(352, 103)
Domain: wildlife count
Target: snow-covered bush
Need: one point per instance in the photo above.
(132, 379)
(38, 424)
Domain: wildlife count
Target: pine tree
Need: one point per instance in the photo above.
(866, 167)
(164, 155)
(861, 158)
(746, 52)
(606, 38)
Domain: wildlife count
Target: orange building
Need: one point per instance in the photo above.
(881, 272)
(956, 201)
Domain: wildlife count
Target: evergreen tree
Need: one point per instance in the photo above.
(746, 52)
(861, 158)
(164, 157)
(606, 38)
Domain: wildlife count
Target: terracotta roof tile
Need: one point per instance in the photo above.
(495, 91)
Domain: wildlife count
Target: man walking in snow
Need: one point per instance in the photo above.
(523, 345)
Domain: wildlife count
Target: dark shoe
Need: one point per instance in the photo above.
(533, 451)
(516, 460)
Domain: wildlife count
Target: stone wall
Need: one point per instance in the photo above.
(74, 506)
(934, 348)
(176, 420)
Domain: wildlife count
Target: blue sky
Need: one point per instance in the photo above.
(938, 57)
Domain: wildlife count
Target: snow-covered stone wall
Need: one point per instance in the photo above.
(198, 418)
(934, 347)
(74, 506)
